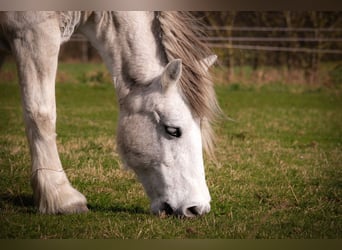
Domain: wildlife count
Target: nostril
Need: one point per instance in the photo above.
(192, 211)
(167, 208)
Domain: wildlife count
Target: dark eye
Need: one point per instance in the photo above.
(173, 131)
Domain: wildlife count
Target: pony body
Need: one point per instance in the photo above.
(165, 96)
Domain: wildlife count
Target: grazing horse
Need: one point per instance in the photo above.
(166, 99)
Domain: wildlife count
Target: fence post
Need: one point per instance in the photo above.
(2, 59)
(84, 51)
(230, 50)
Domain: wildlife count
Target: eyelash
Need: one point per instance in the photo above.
(173, 131)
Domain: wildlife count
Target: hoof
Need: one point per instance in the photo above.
(54, 194)
(78, 208)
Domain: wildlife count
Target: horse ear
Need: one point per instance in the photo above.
(172, 73)
(208, 61)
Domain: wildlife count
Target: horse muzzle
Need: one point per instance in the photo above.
(187, 211)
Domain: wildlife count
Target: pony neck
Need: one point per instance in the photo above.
(127, 43)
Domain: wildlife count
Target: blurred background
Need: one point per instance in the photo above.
(259, 47)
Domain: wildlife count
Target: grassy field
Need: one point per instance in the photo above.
(278, 172)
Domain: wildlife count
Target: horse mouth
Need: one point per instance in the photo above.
(185, 212)
(167, 209)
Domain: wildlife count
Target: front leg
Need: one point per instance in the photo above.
(36, 48)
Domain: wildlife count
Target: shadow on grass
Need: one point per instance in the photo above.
(118, 208)
(23, 202)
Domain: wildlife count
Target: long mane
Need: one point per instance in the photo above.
(180, 33)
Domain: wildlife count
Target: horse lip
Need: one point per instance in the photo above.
(189, 210)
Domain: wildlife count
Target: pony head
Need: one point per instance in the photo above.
(160, 139)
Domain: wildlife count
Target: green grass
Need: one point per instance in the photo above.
(278, 172)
